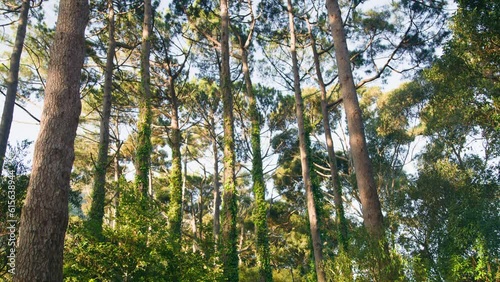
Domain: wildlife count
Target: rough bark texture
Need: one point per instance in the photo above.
(12, 81)
(144, 147)
(229, 244)
(96, 213)
(259, 186)
(332, 159)
(175, 177)
(45, 213)
(372, 214)
(306, 176)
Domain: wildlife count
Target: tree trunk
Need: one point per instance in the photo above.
(332, 160)
(193, 224)
(12, 81)
(306, 176)
(372, 214)
(96, 212)
(229, 232)
(259, 186)
(175, 177)
(217, 199)
(45, 214)
(144, 147)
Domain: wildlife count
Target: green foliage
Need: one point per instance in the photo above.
(130, 251)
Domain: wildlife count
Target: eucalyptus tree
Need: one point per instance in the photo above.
(12, 80)
(45, 214)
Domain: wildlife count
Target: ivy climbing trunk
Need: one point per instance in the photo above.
(229, 244)
(259, 186)
(175, 177)
(332, 159)
(372, 214)
(44, 217)
(144, 147)
(306, 175)
(96, 213)
(13, 80)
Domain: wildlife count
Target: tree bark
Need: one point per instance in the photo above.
(44, 217)
(144, 147)
(229, 252)
(332, 159)
(13, 81)
(304, 158)
(372, 214)
(96, 212)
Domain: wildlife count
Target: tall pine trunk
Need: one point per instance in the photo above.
(229, 244)
(306, 175)
(44, 218)
(332, 159)
(372, 214)
(144, 147)
(13, 80)
(96, 213)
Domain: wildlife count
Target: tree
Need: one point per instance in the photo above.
(45, 214)
(229, 233)
(96, 212)
(259, 186)
(305, 159)
(332, 159)
(12, 81)
(144, 146)
(372, 213)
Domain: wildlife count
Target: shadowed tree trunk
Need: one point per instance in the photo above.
(144, 147)
(229, 244)
(44, 217)
(96, 212)
(372, 214)
(12, 80)
(306, 176)
(332, 160)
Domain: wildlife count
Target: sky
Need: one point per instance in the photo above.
(25, 127)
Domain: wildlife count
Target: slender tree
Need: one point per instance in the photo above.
(12, 80)
(306, 175)
(229, 238)
(332, 159)
(45, 214)
(372, 213)
(144, 146)
(96, 212)
(175, 182)
(259, 186)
